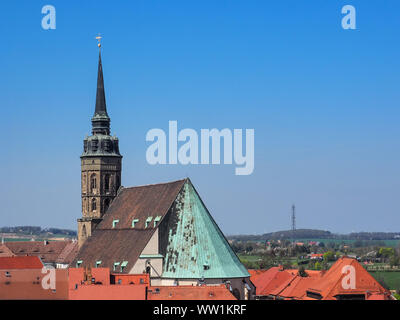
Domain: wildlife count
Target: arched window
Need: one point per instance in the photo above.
(93, 204)
(84, 233)
(93, 182)
(107, 183)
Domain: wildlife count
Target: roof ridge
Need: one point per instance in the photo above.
(155, 184)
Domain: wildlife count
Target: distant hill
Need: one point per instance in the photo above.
(38, 231)
(316, 234)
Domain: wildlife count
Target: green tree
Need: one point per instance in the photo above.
(329, 256)
(302, 271)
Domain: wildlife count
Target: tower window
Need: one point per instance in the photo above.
(94, 204)
(107, 183)
(93, 182)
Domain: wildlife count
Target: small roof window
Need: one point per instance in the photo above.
(116, 264)
(123, 265)
(134, 221)
(148, 220)
(156, 219)
(115, 222)
(78, 263)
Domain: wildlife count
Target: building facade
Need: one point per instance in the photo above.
(100, 166)
(163, 230)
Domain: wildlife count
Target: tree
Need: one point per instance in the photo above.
(394, 261)
(329, 256)
(302, 272)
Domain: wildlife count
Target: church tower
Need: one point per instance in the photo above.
(100, 166)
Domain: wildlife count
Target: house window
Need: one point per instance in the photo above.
(93, 204)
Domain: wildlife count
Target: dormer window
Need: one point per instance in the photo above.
(115, 222)
(134, 221)
(148, 220)
(78, 263)
(123, 265)
(98, 263)
(116, 264)
(156, 220)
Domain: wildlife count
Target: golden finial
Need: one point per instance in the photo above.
(98, 38)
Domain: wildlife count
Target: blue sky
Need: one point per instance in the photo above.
(324, 103)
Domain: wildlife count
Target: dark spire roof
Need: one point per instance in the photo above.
(100, 120)
(101, 108)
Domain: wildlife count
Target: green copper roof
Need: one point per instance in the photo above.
(196, 246)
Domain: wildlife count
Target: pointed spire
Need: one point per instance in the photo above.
(101, 108)
(100, 120)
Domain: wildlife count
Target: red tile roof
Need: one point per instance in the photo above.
(330, 285)
(10, 263)
(48, 251)
(325, 285)
(270, 280)
(5, 252)
(190, 293)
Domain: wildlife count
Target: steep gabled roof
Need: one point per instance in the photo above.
(68, 254)
(196, 247)
(122, 242)
(330, 285)
(193, 246)
(140, 203)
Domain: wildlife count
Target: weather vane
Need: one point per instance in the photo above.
(98, 38)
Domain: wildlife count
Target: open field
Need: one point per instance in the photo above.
(391, 278)
(389, 243)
